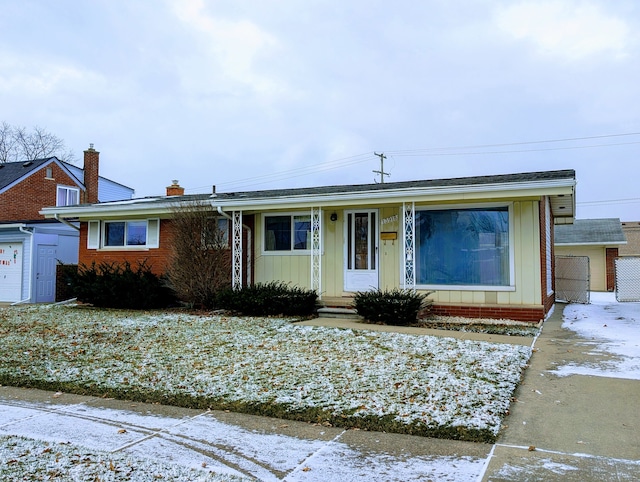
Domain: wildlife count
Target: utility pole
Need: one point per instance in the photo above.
(381, 171)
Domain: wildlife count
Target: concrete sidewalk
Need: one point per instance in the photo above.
(261, 448)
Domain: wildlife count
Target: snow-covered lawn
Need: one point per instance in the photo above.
(426, 385)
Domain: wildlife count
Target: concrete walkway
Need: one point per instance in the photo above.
(580, 428)
(574, 428)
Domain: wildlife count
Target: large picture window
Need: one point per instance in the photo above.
(287, 232)
(463, 247)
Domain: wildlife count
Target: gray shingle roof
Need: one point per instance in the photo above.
(354, 188)
(12, 171)
(590, 231)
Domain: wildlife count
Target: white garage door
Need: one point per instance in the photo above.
(10, 271)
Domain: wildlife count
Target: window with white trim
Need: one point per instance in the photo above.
(463, 247)
(139, 233)
(67, 196)
(287, 233)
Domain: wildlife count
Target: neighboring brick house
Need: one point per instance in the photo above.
(30, 245)
(598, 239)
(483, 244)
(631, 231)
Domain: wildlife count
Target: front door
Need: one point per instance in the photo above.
(361, 250)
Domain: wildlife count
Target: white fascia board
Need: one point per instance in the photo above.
(128, 208)
(607, 243)
(539, 188)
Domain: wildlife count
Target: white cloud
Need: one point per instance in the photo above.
(233, 49)
(567, 29)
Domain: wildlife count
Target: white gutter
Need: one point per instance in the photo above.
(249, 244)
(64, 221)
(30, 233)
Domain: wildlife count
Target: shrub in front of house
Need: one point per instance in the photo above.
(395, 307)
(269, 299)
(113, 285)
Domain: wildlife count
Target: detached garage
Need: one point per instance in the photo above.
(29, 253)
(596, 239)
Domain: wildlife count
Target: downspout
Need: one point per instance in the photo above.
(64, 221)
(249, 237)
(30, 233)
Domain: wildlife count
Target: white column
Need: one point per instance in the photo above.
(236, 280)
(316, 251)
(409, 246)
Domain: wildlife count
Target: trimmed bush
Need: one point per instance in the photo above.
(395, 307)
(267, 299)
(111, 285)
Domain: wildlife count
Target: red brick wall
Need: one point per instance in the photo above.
(91, 168)
(156, 258)
(612, 254)
(530, 314)
(547, 300)
(23, 201)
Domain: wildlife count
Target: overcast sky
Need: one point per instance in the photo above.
(266, 94)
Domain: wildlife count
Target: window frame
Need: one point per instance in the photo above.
(511, 251)
(292, 251)
(96, 235)
(224, 243)
(68, 189)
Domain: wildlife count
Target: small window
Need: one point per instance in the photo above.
(121, 233)
(67, 196)
(48, 173)
(215, 233)
(287, 233)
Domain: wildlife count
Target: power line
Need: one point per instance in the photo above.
(507, 144)
(426, 152)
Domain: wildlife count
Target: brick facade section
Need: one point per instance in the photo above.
(91, 173)
(548, 300)
(612, 254)
(156, 258)
(496, 312)
(632, 233)
(24, 200)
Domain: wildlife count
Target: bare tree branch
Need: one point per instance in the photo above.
(19, 144)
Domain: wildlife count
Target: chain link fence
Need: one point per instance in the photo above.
(572, 279)
(628, 278)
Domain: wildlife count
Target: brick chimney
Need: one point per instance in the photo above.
(175, 189)
(91, 169)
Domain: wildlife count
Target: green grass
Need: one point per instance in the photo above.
(423, 385)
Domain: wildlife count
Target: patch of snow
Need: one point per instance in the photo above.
(613, 330)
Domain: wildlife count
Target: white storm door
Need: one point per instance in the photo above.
(361, 250)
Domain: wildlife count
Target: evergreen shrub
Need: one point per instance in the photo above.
(269, 299)
(113, 285)
(395, 307)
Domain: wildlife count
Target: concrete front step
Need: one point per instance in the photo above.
(344, 313)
